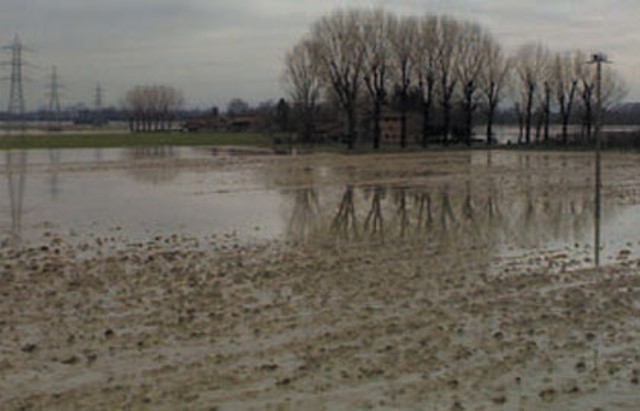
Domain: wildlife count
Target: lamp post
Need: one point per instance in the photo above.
(598, 59)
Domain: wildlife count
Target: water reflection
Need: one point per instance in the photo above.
(344, 224)
(54, 160)
(539, 199)
(400, 200)
(425, 213)
(463, 216)
(16, 169)
(304, 218)
(141, 169)
(374, 223)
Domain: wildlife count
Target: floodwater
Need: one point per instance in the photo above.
(508, 134)
(130, 193)
(191, 278)
(515, 203)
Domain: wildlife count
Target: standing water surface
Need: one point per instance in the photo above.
(512, 203)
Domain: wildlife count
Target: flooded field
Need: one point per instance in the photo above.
(515, 202)
(194, 278)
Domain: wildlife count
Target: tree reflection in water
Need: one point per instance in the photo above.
(447, 216)
(467, 207)
(374, 222)
(344, 223)
(400, 200)
(54, 184)
(425, 212)
(463, 218)
(16, 168)
(144, 169)
(304, 217)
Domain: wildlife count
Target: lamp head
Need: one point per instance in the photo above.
(599, 57)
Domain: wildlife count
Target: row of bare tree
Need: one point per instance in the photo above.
(152, 108)
(363, 59)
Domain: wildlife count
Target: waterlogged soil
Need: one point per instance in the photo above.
(443, 281)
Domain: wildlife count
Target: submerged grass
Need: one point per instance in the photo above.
(89, 140)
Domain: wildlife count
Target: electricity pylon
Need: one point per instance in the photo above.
(54, 98)
(97, 118)
(16, 96)
(98, 99)
(16, 107)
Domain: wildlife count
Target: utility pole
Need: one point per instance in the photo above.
(598, 59)
(54, 100)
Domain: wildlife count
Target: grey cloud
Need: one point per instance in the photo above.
(217, 49)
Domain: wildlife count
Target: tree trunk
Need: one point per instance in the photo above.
(565, 127)
(520, 127)
(539, 125)
(307, 132)
(351, 135)
(426, 113)
(588, 122)
(403, 118)
(528, 115)
(490, 116)
(468, 97)
(376, 123)
(426, 122)
(547, 112)
(446, 106)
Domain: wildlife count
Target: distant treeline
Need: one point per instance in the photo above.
(621, 114)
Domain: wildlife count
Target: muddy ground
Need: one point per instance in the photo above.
(323, 318)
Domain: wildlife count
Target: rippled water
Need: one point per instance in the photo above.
(508, 202)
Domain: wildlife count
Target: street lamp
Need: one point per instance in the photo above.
(598, 59)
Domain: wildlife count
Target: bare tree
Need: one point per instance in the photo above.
(546, 108)
(529, 65)
(376, 41)
(470, 60)
(134, 104)
(170, 100)
(237, 106)
(448, 33)
(432, 59)
(566, 70)
(303, 85)
(425, 61)
(613, 89)
(494, 74)
(587, 84)
(403, 33)
(152, 108)
(337, 51)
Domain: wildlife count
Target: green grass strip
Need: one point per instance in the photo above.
(90, 140)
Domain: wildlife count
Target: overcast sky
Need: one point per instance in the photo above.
(214, 50)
